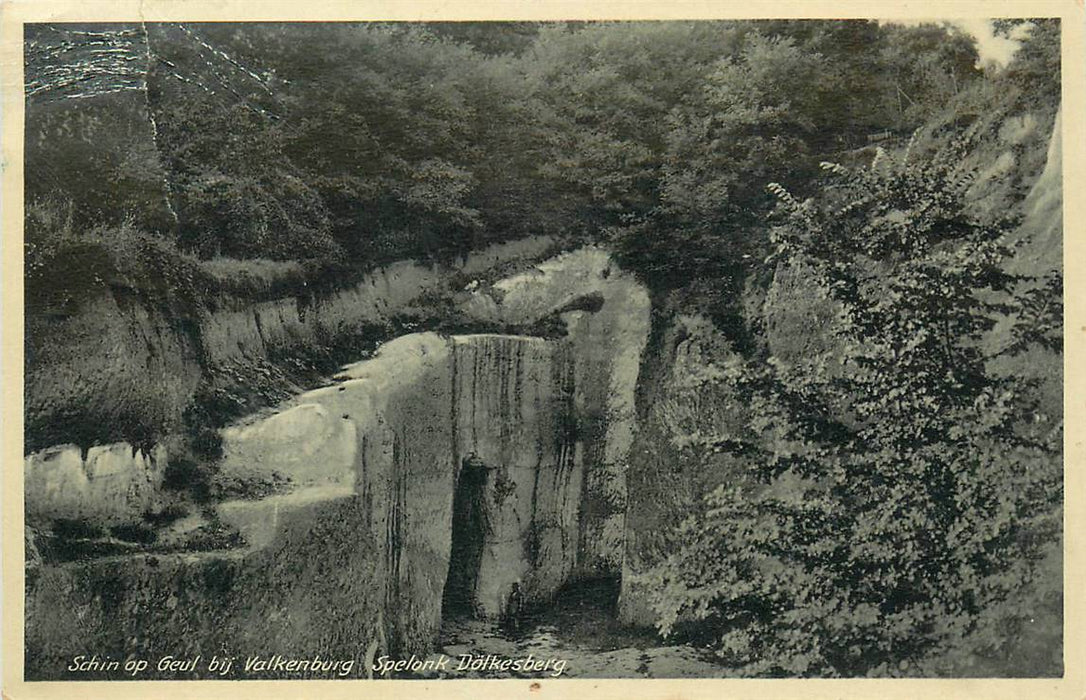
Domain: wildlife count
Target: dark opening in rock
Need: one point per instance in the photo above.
(469, 529)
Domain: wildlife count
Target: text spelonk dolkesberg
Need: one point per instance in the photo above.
(485, 663)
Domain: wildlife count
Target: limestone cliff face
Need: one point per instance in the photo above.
(607, 343)
(111, 485)
(1038, 255)
(118, 366)
(382, 436)
(244, 331)
(372, 471)
(373, 463)
(513, 416)
(665, 485)
(239, 332)
(351, 558)
(114, 362)
(1042, 229)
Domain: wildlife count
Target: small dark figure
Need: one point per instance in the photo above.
(514, 609)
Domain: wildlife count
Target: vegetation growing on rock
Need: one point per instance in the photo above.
(899, 498)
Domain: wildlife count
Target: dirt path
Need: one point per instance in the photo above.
(578, 634)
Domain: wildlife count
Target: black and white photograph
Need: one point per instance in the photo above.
(438, 351)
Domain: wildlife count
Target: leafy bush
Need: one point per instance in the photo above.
(897, 506)
(275, 215)
(67, 265)
(256, 278)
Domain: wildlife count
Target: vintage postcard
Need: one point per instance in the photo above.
(693, 350)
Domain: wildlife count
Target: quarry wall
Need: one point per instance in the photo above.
(363, 475)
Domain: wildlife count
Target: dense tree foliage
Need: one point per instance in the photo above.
(295, 141)
(896, 505)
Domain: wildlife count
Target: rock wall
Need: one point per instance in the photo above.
(664, 484)
(243, 331)
(364, 524)
(350, 559)
(239, 332)
(355, 482)
(1038, 254)
(1041, 233)
(110, 485)
(513, 415)
(607, 316)
(116, 367)
(113, 362)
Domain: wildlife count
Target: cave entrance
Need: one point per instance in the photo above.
(470, 525)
